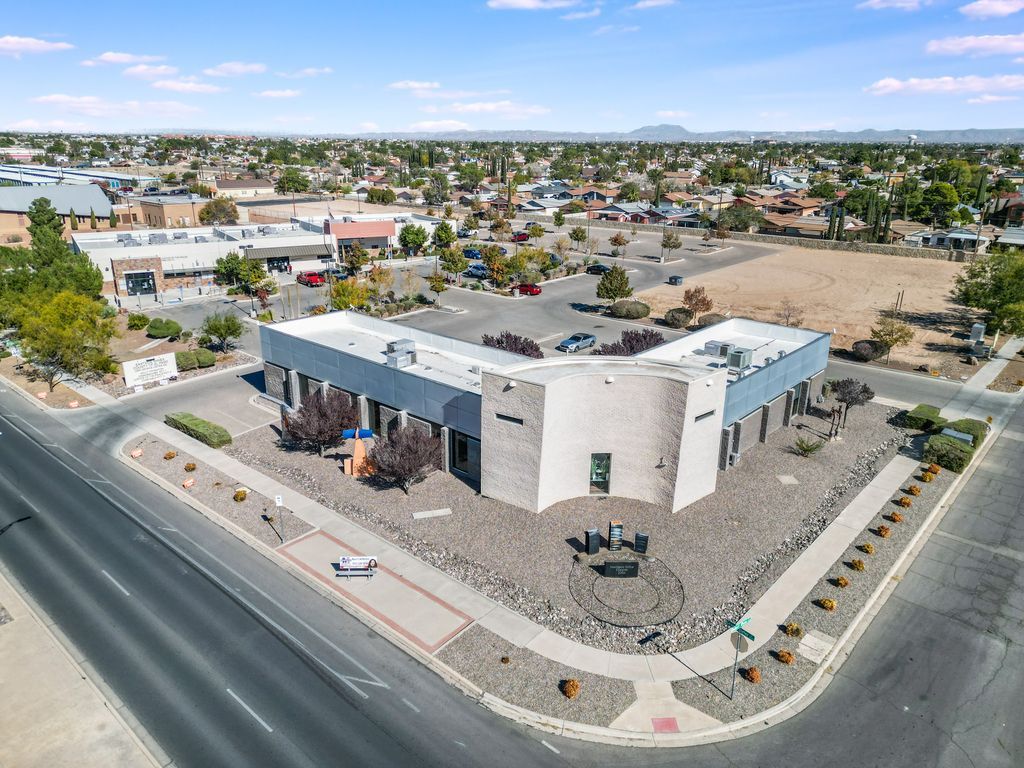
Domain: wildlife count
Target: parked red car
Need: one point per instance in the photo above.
(520, 237)
(527, 289)
(309, 278)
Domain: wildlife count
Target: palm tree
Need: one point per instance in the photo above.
(656, 176)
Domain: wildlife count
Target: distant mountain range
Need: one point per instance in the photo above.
(677, 133)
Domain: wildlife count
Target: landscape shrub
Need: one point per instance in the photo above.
(924, 417)
(948, 452)
(934, 469)
(571, 688)
(793, 629)
(711, 318)
(857, 564)
(108, 312)
(680, 317)
(190, 467)
(205, 358)
(318, 309)
(904, 501)
(867, 548)
(137, 321)
(883, 531)
(505, 660)
(240, 495)
(842, 582)
(978, 430)
(827, 603)
(170, 455)
(161, 328)
(786, 657)
(894, 517)
(752, 675)
(867, 350)
(629, 310)
(914, 490)
(202, 430)
(186, 361)
(927, 477)
(4, 353)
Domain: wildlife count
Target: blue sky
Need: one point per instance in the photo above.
(345, 67)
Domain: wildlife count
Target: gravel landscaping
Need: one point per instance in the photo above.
(779, 681)
(215, 490)
(532, 681)
(725, 549)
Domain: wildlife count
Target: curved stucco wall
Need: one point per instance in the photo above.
(646, 421)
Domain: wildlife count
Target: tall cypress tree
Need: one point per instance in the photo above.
(72, 219)
(841, 224)
(92, 219)
(113, 219)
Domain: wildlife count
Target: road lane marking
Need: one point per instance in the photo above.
(114, 582)
(30, 425)
(410, 705)
(461, 744)
(1013, 554)
(250, 710)
(550, 747)
(549, 338)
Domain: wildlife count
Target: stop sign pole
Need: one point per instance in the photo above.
(739, 639)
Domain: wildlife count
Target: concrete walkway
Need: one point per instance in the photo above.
(52, 715)
(975, 400)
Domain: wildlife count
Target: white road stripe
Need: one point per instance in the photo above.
(114, 582)
(250, 710)
(550, 747)
(549, 338)
(410, 705)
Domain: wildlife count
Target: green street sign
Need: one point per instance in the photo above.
(745, 633)
(741, 623)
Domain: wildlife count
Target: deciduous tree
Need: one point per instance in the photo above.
(851, 392)
(696, 300)
(892, 332)
(405, 457)
(221, 209)
(632, 342)
(224, 328)
(513, 342)
(66, 338)
(318, 424)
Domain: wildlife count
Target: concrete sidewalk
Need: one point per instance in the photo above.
(52, 714)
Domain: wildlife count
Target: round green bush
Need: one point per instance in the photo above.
(137, 321)
(160, 328)
(679, 317)
(868, 350)
(108, 312)
(205, 358)
(4, 353)
(712, 318)
(186, 361)
(629, 310)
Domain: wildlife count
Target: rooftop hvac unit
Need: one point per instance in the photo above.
(202, 239)
(401, 346)
(122, 238)
(248, 233)
(401, 359)
(781, 354)
(180, 235)
(718, 348)
(739, 358)
(158, 238)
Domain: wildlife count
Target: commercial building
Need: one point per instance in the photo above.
(84, 199)
(244, 188)
(147, 262)
(159, 211)
(657, 427)
(34, 175)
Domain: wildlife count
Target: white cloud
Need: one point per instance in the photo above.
(150, 71)
(966, 84)
(991, 98)
(977, 45)
(530, 5)
(991, 9)
(902, 5)
(610, 29)
(94, 106)
(414, 85)
(187, 85)
(286, 93)
(507, 109)
(577, 15)
(452, 95)
(672, 113)
(44, 125)
(369, 127)
(235, 69)
(439, 125)
(643, 5)
(12, 45)
(117, 57)
(306, 72)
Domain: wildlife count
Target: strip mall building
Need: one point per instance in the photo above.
(657, 427)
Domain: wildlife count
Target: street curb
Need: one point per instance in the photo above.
(204, 377)
(146, 744)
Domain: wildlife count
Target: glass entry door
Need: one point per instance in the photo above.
(600, 472)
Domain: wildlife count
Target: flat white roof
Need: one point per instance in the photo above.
(438, 358)
(551, 369)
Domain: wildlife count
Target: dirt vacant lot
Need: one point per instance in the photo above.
(843, 293)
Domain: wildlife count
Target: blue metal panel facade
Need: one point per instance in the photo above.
(425, 399)
(746, 395)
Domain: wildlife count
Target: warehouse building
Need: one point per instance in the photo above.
(657, 427)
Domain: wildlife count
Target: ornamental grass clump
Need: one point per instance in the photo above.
(571, 688)
(867, 548)
(170, 455)
(927, 477)
(934, 469)
(752, 675)
(842, 582)
(857, 565)
(904, 501)
(884, 531)
(827, 603)
(786, 657)
(793, 629)
(894, 517)
(914, 490)
(240, 495)
(190, 467)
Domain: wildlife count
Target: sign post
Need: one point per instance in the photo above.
(739, 639)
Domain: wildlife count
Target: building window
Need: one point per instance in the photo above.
(706, 415)
(510, 419)
(600, 472)
(465, 454)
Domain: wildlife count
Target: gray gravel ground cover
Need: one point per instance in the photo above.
(215, 490)
(726, 549)
(780, 680)
(532, 681)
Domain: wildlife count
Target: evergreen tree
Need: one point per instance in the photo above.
(113, 219)
(841, 225)
(92, 219)
(72, 219)
(44, 219)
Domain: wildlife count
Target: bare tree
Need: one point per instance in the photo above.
(789, 313)
(317, 425)
(406, 456)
